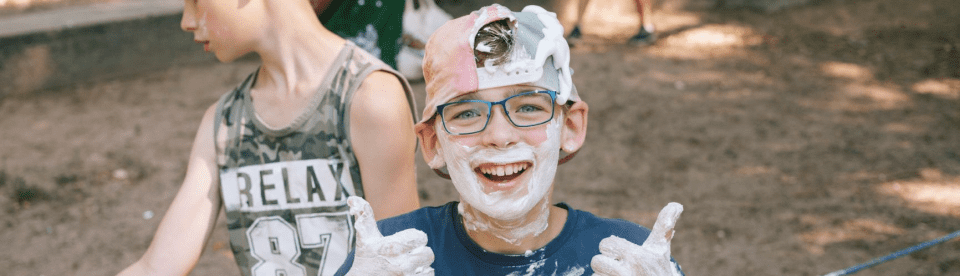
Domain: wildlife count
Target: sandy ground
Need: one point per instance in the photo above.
(800, 142)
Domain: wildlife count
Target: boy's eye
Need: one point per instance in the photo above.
(528, 108)
(468, 114)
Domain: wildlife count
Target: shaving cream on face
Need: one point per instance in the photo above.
(504, 214)
(503, 205)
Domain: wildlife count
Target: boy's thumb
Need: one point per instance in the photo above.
(365, 223)
(662, 232)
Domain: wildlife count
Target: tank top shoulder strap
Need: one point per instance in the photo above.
(362, 65)
(227, 115)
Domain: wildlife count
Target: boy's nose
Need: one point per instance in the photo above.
(500, 132)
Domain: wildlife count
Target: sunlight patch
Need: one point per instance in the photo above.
(932, 193)
(21, 4)
(944, 88)
(714, 36)
(710, 41)
(673, 19)
(846, 70)
(861, 97)
(853, 230)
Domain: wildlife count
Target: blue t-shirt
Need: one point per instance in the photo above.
(456, 254)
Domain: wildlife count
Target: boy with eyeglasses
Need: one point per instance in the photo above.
(500, 109)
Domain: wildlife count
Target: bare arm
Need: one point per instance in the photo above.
(381, 130)
(180, 238)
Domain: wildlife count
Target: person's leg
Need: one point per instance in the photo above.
(645, 9)
(573, 10)
(647, 34)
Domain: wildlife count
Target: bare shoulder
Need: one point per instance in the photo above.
(206, 123)
(203, 143)
(380, 82)
(383, 93)
(380, 106)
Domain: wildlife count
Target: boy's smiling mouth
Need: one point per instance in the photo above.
(502, 173)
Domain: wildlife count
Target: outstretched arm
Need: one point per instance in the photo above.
(180, 238)
(381, 130)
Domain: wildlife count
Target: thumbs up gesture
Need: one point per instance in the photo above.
(403, 253)
(624, 258)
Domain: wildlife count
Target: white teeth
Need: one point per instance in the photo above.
(503, 170)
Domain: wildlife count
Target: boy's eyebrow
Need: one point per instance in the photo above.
(473, 95)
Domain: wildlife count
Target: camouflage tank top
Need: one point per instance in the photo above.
(285, 190)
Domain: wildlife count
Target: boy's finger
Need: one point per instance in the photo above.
(605, 265)
(421, 257)
(402, 242)
(615, 247)
(365, 223)
(662, 233)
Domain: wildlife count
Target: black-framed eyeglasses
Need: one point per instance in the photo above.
(526, 109)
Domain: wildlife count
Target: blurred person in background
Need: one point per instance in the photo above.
(373, 25)
(320, 120)
(645, 36)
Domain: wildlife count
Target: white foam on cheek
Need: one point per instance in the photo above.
(454, 156)
(519, 202)
(437, 162)
(503, 206)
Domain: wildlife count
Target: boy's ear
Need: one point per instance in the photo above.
(429, 144)
(574, 127)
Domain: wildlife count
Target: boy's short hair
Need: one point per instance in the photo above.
(495, 47)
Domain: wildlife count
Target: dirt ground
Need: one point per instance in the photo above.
(799, 142)
(8, 7)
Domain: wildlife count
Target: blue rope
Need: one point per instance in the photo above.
(894, 255)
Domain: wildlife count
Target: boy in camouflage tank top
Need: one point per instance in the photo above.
(320, 120)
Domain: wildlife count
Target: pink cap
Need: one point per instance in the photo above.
(540, 57)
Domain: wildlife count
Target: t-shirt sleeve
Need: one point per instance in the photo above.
(346, 264)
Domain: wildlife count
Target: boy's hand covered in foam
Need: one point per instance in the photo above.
(403, 253)
(623, 258)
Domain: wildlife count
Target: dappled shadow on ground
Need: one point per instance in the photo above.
(802, 141)
(13, 7)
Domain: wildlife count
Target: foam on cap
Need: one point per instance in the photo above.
(540, 56)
